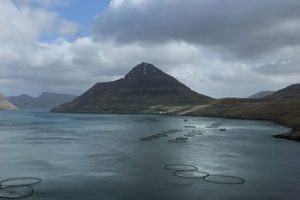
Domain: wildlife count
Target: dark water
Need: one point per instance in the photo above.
(101, 157)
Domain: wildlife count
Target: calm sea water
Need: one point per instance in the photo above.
(91, 157)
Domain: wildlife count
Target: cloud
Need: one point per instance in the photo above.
(243, 28)
(75, 66)
(219, 48)
(25, 24)
(21, 25)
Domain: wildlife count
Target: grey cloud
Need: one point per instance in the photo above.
(280, 67)
(239, 28)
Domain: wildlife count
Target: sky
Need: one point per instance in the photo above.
(220, 48)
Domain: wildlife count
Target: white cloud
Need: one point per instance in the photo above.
(21, 25)
(25, 24)
(28, 65)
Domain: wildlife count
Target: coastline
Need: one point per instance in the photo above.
(293, 135)
(282, 111)
(198, 111)
(276, 111)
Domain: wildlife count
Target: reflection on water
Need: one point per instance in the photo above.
(101, 156)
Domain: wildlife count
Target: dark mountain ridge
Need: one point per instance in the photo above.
(261, 94)
(143, 87)
(46, 100)
(292, 92)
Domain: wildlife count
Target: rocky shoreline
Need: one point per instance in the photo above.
(293, 135)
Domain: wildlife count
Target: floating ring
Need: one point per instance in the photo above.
(22, 181)
(181, 167)
(223, 179)
(16, 192)
(190, 174)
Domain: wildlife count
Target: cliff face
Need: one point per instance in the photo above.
(143, 87)
(5, 104)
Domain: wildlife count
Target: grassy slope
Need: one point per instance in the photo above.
(283, 111)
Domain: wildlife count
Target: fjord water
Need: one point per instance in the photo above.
(101, 157)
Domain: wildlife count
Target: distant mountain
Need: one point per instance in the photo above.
(260, 95)
(46, 100)
(290, 92)
(145, 86)
(5, 104)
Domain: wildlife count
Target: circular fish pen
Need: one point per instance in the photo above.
(224, 179)
(196, 174)
(16, 192)
(22, 181)
(18, 188)
(192, 172)
(180, 167)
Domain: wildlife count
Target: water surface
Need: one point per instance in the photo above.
(91, 157)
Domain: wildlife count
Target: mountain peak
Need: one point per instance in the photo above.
(144, 70)
(143, 88)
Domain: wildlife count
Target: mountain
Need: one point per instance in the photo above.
(290, 92)
(46, 100)
(142, 89)
(5, 104)
(260, 95)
